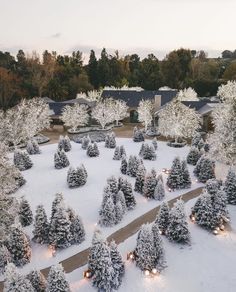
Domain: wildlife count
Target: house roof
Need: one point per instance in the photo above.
(57, 107)
(47, 99)
(207, 108)
(133, 97)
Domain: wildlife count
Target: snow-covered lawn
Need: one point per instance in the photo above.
(207, 265)
(44, 181)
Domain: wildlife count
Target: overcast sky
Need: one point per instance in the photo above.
(141, 26)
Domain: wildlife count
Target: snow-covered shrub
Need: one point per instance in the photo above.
(15, 282)
(201, 144)
(148, 152)
(205, 169)
(177, 229)
(64, 143)
(159, 192)
(126, 188)
(5, 257)
(25, 213)
(117, 155)
(19, 246)
(117, 264)
(37, 281)
(122, 151)
(124, 165)
(22, 160)
(154, 143)
(92, 150)
(56, 281)
(174, 180)
(110, 140)
(107, 214)
(41, 226)
(138, 135)
(133, 164)
(60, 159)
(85, 142)
(193, 156)
(160, 262)
(32, 147)
(76, 227)
(162, 219)
(140, 179)
(150, 185)
(76, 177)
(230, 187)
(186, 180)
(196, 139)
(212, 186)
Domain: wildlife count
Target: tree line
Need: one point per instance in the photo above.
(61, 77)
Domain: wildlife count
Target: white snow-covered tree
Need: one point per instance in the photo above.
(5, 258)
(145, 112)
(103, 112)
(75, 116)
(41, 226)
(37, 280)
(15, 282)
(227, 92)
(119, 110)
(178, 121)
(56, 281)
(92, 95)
(187, 94)
(117, 264)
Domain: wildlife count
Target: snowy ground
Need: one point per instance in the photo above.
(44, 181)
(208, 265)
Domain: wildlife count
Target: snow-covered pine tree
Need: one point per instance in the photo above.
(32, 147)
(230, 187)
(149, 186)
(37, 281)
(130, 200)
(36, 147)
(61, 143)
(41, 226)
(57, 160)
(59, 231)
(196, 138)
(15, 282)
(19, 179)
(138, 136)
(92, 150)
(104, 272)
(107, 212)
(141, 149)
(201, 144)
(207, 147)
(119, 213)
(117, 264)
(205, 169)
(113, 184)
(97, 243)
(110, 140)
(220, 207)
(56, 281)
(193, 156)
(56, 203)
(116, 155)
(67, 144)
(76, 177)
(119, 197)
(124, 164)
(154, 143)
(212, 187)
(85, 142)
(22, 160)
(25, 213)
(163, 217)
(160, 262)
(122, 151)
(5, 258)
(140, 179)
(159, 192)
(177, 229)
(64, 160)
(95, 148)
(133, 165)
(148, 152)
(175, 178)
(186, 182)
(76, 227)
(145, 249)
(19, 246)
(85, 171)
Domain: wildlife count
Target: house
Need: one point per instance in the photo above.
(133, 97)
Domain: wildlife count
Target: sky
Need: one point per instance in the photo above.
(131, 26)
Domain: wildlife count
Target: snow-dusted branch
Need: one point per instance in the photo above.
(145, 112)
(75, 116)
(103, 112)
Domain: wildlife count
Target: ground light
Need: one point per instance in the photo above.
(53, 249)
(87, 274)
(131, 256)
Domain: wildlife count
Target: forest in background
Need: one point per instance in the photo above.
(61, 77)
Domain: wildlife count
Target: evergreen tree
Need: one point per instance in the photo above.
(5, 258)
(145, 250)
(18, 246)
(61, 143)
(124, 165)
(117, 264)
(230, 187)
(32, 147)
(56, 281)
(59, 232)
(196, 138)
(149, 186)
(92, 69)
(200, 144)
(56, 203)
(140, 179)
(119, 213)
(193, 156)
(113, 184)
(85, 142)
(41, 226)
(107, 212)
(67, 144)
(36, 146)
(120, 198)
(20, 180)
(220, 207)
(163, 218)
(37, 281)
(205, 169)
(212, 187)
(122, 151)
(126, 188)
(76, 177)
(22, 160)
(15, 282)
(97, 242)
(138, 136)
(159, 250)
(57, 160)
(178, 227)
(142, 149)
(92, 150)
(116, 155)
(110, 140)
(154, 143)
(186, 180)
(25, 213)
(159, 192)
(76, 227)
(64, 160)
(148, 152)
(133, 165)
(175, 178)
(85, 171)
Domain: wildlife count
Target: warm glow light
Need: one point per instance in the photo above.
(160, 231)
(154, 271)
(130, 256)
(222, 227)
(169, 189)
(87, 274)
(215, 232)
(146, 273)
(196, 180)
